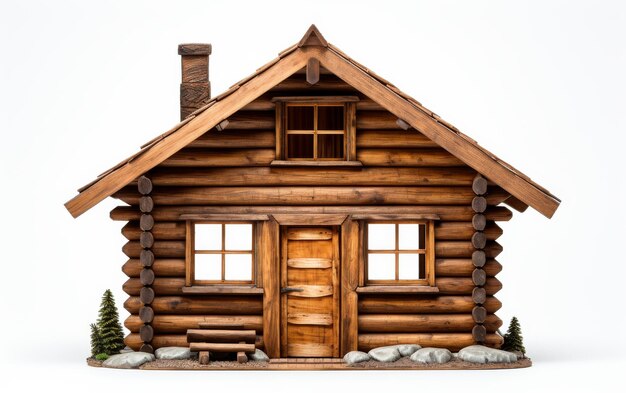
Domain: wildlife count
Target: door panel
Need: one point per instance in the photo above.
(310, 315)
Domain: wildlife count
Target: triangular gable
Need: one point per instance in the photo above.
(314, 46)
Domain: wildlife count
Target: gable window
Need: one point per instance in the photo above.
(399, 253)
(221, 253)
(315, 130)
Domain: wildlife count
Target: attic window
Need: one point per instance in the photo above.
(315, 130)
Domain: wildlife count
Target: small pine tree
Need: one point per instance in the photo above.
(513, 340)
(109, 327)
(96, 342)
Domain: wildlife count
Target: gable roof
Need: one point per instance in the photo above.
(524, 191)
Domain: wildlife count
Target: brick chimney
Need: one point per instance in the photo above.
(195, 88)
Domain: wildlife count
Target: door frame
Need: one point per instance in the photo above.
(336, 278)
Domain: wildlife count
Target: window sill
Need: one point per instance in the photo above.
(316, 163)
(223, 290)
(397, 289)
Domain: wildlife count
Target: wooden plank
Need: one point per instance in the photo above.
(180, 324)
(312, 163)
(309, 219)
(235, 139)
(278, 133)
(466, 151)
(424, 323)
(309, 263)
(351, 131)
(225, 217)
(407, 157)
(160, 267)
(221, 347)
(220, 157)
(188, 132)
(168, 340)
(222, 290)
(396, 304)
(309, 350)
(312, 291)
(310, 319)
(316, 99)
(349, 282)
(269, 265)
(193, 306)
(392, 139)
(394, 217)
(309, 233)
(397, 289)
(221, 336)
(222, 326)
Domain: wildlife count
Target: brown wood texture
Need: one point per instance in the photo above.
(479, 296)
(312, 71)
(181, 323)
(319, 294)
(221, 347)
(200, 305)
(464, 231)
(463, 267)
(450, 213)
(407, 157)
(423, 323)
(160, 230)
(203, 357)
(221, 336)
(479, 333)
(391, 139)
(349, 281)
(160, 267)
(146, 314)
(144, 185)
(235, 139)
(270, 268)
(479, 185)
(399, 304)
(452, 341)
(168, 340)
(220, 157)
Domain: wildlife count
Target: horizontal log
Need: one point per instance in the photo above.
(221, 336)
(240, 139)
(160, 230)
(168, 340)
(253, 120)
(407, 157)
(394, 304)
(376, 120)
(463, 231)
(161, 249)
(191, 306)
(452, 341)
(294, 176)
(463, 267)
(465, 286)
(298, 195)
(451, 213)
(161, 267)
(181, 323)
(221, 347)
(464, 249)
(326, 82)
(220, 157)
(423, 323)
(161, 286)
(392, 139)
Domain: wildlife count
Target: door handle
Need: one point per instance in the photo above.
(289, 289)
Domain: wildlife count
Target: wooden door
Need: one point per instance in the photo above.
(310, 292)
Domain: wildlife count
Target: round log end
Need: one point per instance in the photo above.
(146, 239)
(146, 258)
(147, 348)
(146, 222)
(144, 185)
(146, 314)
(146, 277)
(479, 185)
(479, 240)
(479, 333)
(146, 204)
(146, 295)
(479, 222)
(479, 258)
(479, 314)
(479, 277)
(479, 295)
(146, 333)
(479, 204)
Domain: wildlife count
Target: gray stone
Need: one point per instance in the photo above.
(259, 356)
(482, 354)
(173, 353)
(432, 355)
(385, 354)
(353, 357)
(128, 360)
(127, 350)
(407, 349)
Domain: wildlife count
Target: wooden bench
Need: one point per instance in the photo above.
(223, 338)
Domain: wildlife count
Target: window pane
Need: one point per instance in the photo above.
(239, 267)
(238, 237)
(300, 117)
(409, 267)
(330, 145)
(381, 236)
(208, 267)
(409, 237)
(300, 146)
(208, 237)
(330, 118)
(381, 266)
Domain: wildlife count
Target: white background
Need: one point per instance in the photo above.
(540, 83)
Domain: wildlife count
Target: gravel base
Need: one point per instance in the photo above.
(454, 364)
(189, 364)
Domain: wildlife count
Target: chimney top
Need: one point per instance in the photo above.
(194, 49)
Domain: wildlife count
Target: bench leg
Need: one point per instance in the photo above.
(203, 357)
(241, 356)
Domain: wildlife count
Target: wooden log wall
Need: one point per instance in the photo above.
(228, 171)
(146, 258)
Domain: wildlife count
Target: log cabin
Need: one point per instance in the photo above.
(315, 206)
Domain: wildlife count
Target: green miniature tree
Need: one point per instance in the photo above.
(96, 342)
(513, 340)
(109, 327)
